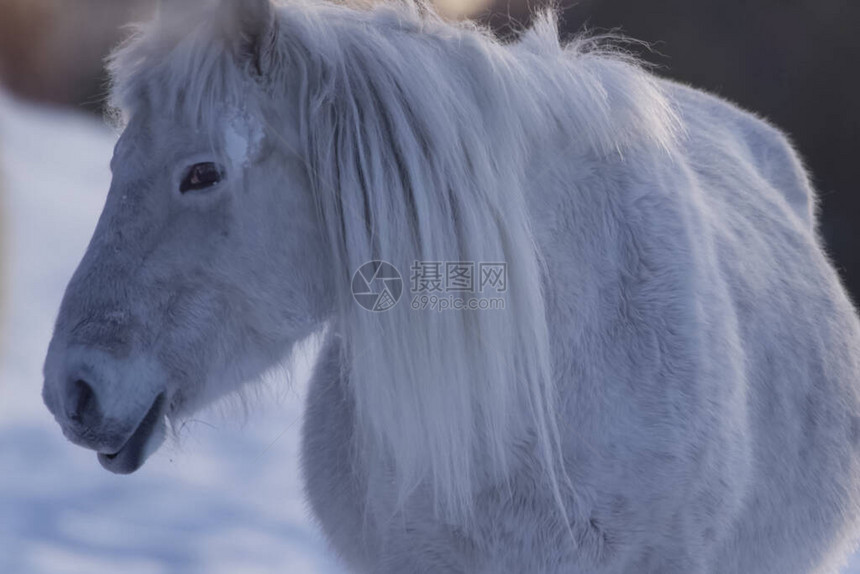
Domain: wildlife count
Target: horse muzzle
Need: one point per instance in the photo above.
(109, 405)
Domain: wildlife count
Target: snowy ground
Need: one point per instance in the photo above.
(227, 499)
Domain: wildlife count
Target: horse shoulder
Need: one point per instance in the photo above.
(335, 488)
(353, 503)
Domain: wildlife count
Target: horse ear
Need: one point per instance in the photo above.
(253, 30)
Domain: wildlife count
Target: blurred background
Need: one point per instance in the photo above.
(227, 498)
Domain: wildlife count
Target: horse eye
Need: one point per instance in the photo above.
(201, 176)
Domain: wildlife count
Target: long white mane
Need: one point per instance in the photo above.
(417, 135)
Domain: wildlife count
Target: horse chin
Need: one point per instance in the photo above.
(146, 439)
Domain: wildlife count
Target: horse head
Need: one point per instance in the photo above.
(207, 262)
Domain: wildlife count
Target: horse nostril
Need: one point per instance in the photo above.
(83, 402)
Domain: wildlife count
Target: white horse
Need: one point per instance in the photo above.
(671, 386)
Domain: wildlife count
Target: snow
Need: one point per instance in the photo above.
(225, 500)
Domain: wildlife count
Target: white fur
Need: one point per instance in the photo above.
(671, 386)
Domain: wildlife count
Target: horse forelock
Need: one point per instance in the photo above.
(181, 65)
